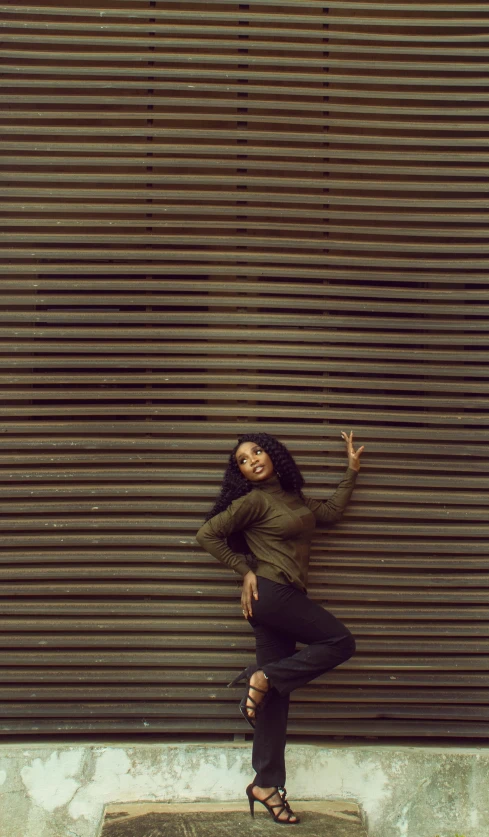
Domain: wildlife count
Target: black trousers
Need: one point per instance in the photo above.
(281, 616)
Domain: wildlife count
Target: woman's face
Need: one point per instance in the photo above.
(253, 462)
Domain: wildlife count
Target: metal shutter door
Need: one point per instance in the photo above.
(219, 217)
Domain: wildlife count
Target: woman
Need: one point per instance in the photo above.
(261, 527)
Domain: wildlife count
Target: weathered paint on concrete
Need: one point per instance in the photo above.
(60, 789)
(318, 819)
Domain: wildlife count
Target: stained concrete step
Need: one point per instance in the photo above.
(334, 818)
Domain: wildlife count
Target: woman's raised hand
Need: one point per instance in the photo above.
(353, 456)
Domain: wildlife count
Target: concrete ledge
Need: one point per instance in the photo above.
(318, 819)
(60, 789)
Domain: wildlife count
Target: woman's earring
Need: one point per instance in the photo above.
(278, 474)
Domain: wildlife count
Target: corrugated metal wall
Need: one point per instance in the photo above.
(223, 216)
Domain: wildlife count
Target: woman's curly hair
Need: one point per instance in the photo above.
(235, 485)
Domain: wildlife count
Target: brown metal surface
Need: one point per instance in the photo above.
(215, 219)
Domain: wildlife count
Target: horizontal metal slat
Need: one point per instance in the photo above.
(371, 5)
(74, 269)
(219, 292)
(348, 728)
(220, 677)
(208, 152)
(473, 304)
(320, 432)
(289, 35)
(272, 197)
(225, 659)
(137, 506)
(169, 479)
(234, 179)
(78, 491)
(332, 593)
(445, 20)
(215, 572)
(155, 36)
(62, 625)
(49, 337)
(277, 256)
(428, 483)
(447, 231)
(429, 342)
(225, 642)
(105, 57)
(333, 386)
(345, 414)
(223, 609)
(108, 395)
(226, 74)
(243, 86)
(362, 695)
(227, 711)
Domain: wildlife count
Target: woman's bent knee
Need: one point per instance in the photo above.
(346, 647)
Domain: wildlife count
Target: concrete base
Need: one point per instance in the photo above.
(60, 790)
(204, 819)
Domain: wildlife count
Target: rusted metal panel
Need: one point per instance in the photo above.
(216, 219)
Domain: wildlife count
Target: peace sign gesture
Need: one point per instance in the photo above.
(353, 456)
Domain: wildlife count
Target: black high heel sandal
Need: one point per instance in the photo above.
(247, 701)
(283, 805)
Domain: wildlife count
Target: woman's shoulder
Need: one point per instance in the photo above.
(253, 499)
(247, 509)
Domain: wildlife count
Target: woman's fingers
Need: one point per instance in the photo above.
(249, 592)
(349, 442)
(353, 456)
(348, 439)
(248, 601)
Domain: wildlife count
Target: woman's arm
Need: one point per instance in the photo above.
(239, 515)
(330, 512)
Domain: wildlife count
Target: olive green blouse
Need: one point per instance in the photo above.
(278, 527)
